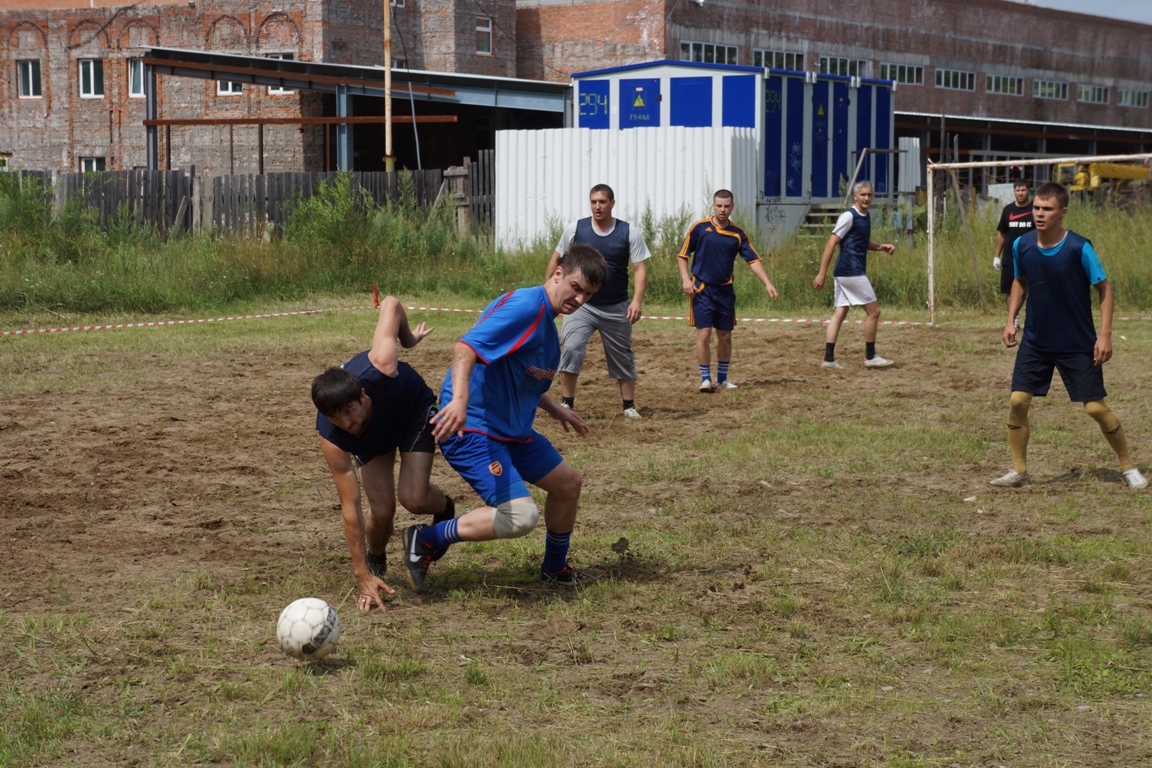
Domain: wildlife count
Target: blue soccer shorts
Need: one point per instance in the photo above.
(712, 306)
(497, 470)
(1083, 379)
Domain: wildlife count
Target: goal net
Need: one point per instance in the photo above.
(961, 197)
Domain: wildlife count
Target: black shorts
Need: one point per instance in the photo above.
(1083, 379)
(417, 437)
(1007, 272)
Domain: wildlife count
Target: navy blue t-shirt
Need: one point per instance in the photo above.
(1059, 313)
(853, 259)
(398, 403)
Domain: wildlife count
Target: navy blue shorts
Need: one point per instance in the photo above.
(1082, 378)
(712, 306)
(496, 470)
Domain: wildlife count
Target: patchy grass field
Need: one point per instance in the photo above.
(808, 571)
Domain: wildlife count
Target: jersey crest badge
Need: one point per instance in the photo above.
(496, 469)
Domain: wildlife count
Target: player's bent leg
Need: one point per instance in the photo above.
(515, 518)
(376, 478)
(1113, 431)
(832, 332)
(871, 320)
(563, 485)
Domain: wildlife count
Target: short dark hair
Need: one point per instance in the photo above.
(723, 194)
(583, 258)
(1021, 182)
(1053, 189)
(602, 188)
(334, 390)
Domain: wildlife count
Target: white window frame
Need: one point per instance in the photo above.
(904, 74)
(92, 164)
(707, 53)
(28, 73)
(484, 31)
(1129, 97)
(774, 59)
(1049, 89)
(1004, 85)
(91, 78)
(842, 65)
(276, 90)
(135, 67)
(5, 162)
(229, 88)
(396, 3)
(1091, 94)
(955, 80)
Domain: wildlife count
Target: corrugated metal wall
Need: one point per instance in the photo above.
(544, 176)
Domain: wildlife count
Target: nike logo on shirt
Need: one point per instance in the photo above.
(1014, 216)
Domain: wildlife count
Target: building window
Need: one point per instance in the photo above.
(91, 164)
(707, 53)
(1009, 86)
(399, 63)
(397, 3)
(836, 65)
(1092, 94)
(135, 78)
(484, 35)
(1129, 98)
(1049, 89)
(905, 74)
(28, 73)
(91, 78)
(278, 90)
(790, 60)
(228, 88)
(955, 80)
(5, 160)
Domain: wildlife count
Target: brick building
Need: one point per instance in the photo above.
(72, 78)
(1005, 76)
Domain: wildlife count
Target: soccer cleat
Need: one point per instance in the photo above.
(1135, 480)
(1011, 480)
(877, 362)
(831, 364)
(706, 385)
(632, 413)
(726, 384)
(377, 564)
(417, 556)
(565, 577)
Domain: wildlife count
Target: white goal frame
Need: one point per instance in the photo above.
(932, 167)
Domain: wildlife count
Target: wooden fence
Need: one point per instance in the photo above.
(255, 205)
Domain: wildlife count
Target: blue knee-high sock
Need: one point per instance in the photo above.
(556, 551)
(722, 371)
(705, 372)
(440, 535)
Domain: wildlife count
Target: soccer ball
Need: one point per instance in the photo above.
(308, 629)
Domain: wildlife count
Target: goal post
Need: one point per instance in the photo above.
(933, 168)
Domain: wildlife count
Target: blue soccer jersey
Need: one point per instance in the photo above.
(518, 350)
(1059, 313)
(715, 249)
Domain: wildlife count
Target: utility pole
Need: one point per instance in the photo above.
(389, 161)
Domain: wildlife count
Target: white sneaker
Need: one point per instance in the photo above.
(565, 406)
(1011, 480)
(706, 385)
(831, 364)
(877, 362)
(1135, 480)
(726, 384)
(632, 413)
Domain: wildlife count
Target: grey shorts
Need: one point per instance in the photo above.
(615, 334)
(853, 291)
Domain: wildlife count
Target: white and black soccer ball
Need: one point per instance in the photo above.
(308, 629)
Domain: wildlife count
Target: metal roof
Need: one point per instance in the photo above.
(1037, 123)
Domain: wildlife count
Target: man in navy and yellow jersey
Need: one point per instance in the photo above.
(609, 311)
(715, 243)
(501, 371)
(1015, 220)
(853, 233)
(1055, 269)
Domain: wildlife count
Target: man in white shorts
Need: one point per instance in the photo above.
(608, 311)
(853, 233)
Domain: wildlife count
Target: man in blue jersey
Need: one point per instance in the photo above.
(609, 311)
(853, 233)
(501, 371)
(1055, 268)
(714, 243)
(368, 410)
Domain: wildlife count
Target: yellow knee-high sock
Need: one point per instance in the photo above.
(1018, 431)
(1113, 431)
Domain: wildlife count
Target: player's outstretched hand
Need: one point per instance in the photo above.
(567, 417)
(888, 248)
(417, 335)
(1010, 334)
(370, 593)
(818, 283)
(772, 291)
(450, 420)
(1102, 352)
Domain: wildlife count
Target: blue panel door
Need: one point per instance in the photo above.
(739, 101)
(773, 135)
(864, 129)
(594, 102)
(794, 131)
(691, 102)
(840, 167)
(883, 138)
(640, 103)
(820, 138)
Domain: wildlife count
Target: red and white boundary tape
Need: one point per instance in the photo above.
(156, 323)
